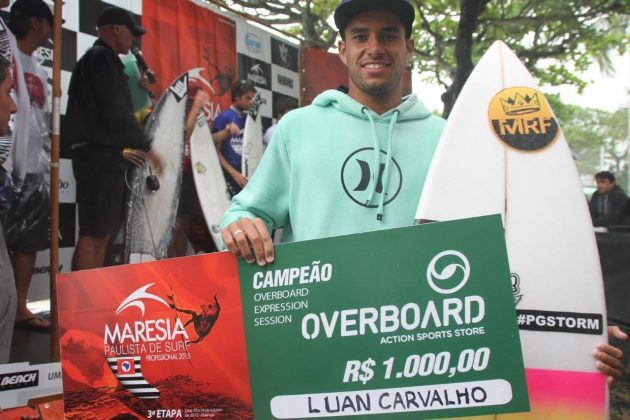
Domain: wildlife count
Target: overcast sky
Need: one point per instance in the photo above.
(609, 93)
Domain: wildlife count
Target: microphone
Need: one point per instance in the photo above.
(142, 65)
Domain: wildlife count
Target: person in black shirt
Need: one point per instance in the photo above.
(103, 135)
(608, 203)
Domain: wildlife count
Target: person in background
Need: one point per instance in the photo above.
(8, 301)
(227, 134)
(104, 136)
(284, 105)
(188, 198)
(31, 22)
(608, 203)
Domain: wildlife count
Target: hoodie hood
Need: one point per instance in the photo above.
(410, 109)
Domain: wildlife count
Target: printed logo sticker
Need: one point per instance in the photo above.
(448, 272)
(521, 118)
(358, 177)
(253, 43)
(126, 366)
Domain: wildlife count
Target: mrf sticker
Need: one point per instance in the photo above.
(521, 118)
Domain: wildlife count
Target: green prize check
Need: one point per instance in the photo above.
(416, 322)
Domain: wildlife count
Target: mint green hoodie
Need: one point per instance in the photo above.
(317, 177)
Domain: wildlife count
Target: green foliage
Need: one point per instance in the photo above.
(557, 40)
(598, 138)
(572, 33)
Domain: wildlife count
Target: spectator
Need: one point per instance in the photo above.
(103, 135)
(608, 203)
(31, 22)
(8, 302)
(228, 134)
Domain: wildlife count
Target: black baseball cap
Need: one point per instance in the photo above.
(118, 16)
(31, 8)
(348, 9)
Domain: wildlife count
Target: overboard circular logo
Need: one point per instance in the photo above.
(358, 177)
(448, 272)
(521, 118)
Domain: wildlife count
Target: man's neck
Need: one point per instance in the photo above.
(377, 103)
(27, 45)
(110, 41)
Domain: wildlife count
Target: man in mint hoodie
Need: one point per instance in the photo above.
(349, 163)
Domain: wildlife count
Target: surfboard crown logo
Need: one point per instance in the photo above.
(521, 118)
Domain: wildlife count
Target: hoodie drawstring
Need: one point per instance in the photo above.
(388, 156)
(377, 161)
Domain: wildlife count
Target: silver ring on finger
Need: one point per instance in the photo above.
(237, 231)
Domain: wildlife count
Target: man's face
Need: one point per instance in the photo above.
(375, 52)
(604, 186)
(244, 101)
(43, 29)
(125, 39)
(7, 105)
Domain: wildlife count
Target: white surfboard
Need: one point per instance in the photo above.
(252, 139)
(503, 152)
(151, 215)
(209, 181)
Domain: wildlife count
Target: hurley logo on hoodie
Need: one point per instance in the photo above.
(363, 180)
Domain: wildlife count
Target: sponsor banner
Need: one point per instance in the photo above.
(44, 54)
(67, 185)
(209, 41)
(255, 71)
(22, 382)
(40, 281)
(266, 106)
(568, 322)
(84, 42)
(321, 70)
(285, 81)
(253, 41)
(159, 337)
(424, 324)
(70, 12)
(285, 55)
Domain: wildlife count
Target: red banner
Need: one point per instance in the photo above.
(160, 338)
(182, 36)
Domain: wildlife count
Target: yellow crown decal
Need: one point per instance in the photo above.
(521, 104)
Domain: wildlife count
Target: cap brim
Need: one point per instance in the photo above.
(347, 10)
(138, 30)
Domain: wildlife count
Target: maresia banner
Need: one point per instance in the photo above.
(418, 322)
(159, 339)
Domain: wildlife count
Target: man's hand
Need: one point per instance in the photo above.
(156, 161)
(240, 179)
(201, 99)
(233, 128)
(134, 156)
(247, 235)
(609, 357)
